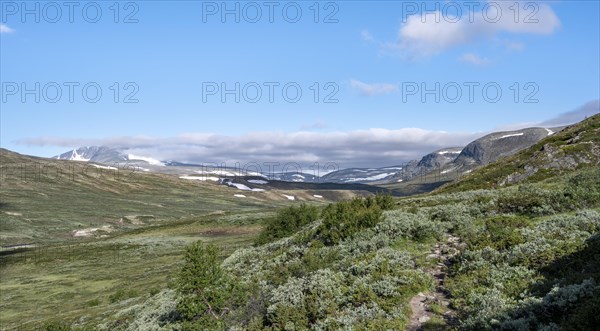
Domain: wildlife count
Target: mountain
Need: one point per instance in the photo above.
(575, 147)
(497, 145)
(106, 155)
(440, 158)
(299, 177)
(99, 154)
(446, 164)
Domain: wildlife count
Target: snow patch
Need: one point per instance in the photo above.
(550, 132)
(103, 167)
(448, 152)
(375, 177)
(244, 187)
(229, 173)
(144, 158)
(258, 181)
(239, 195)
(318, 196)
(77, 157)
(511, 135)
(289, 197)
(202, 178)
(399, 180)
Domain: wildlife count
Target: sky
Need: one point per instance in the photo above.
(358, 83)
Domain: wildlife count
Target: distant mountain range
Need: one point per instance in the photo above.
(451, 161)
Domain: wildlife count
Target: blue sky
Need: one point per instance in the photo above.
(369, 54)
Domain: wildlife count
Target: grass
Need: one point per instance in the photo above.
(89, 281)
(142, 223)
(39, 206)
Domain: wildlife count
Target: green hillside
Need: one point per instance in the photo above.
(575, 147)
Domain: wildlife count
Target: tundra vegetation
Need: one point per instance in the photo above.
(529, 261)
(528, 258)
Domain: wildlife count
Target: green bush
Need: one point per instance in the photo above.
(343, 219)
(287, 222)
(207, 292)
(499, 233)
(531, 201)
(385, 201)
(584, 189)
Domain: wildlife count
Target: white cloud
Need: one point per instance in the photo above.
(373, 89)
(366, 36)
(371, 147)
(5, 29)
(474, 59)
(431, 33)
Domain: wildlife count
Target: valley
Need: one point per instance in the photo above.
(107, 252)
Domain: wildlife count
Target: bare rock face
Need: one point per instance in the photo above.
(497, 145)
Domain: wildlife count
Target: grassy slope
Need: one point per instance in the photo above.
(39, 206)
(89, 281)
(151, 218)
(155, 216)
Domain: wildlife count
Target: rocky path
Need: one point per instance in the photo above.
(422, 303)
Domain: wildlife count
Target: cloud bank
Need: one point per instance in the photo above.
(589, 109)
(360, 148)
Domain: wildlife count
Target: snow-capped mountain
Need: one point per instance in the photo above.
(496, 145)
(106, 155)
(100, 154)
(448, 162)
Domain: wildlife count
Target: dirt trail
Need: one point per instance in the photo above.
(421, 303)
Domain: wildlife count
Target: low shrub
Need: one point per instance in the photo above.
(287, 222)
(343, 219)
(530, 200)
(207, 292)
(584, 189)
